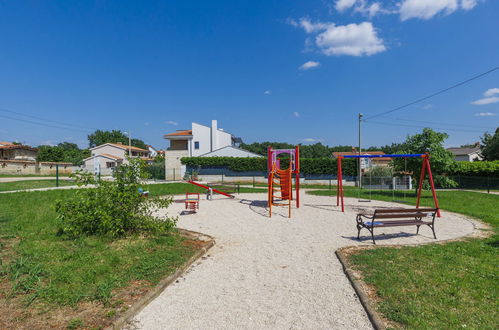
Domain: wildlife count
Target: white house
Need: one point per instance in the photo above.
(466, 154)
(199, 141)
(109, 155)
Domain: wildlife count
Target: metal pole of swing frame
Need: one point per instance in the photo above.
(360, 152)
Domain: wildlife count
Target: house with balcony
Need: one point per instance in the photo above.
(107, 156)
(200, 141)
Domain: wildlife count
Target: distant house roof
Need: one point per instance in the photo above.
(121, 146)
(15, 146)
(4, 143)
(353, 153)
(108, 156)
(464, 151)
(184, 132)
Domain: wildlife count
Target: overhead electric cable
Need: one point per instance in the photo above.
(433, 94)
(42, 124)
(420, 126)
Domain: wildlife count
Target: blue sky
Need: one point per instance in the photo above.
(294, 71)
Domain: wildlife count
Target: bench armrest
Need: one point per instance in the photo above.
(359, 217)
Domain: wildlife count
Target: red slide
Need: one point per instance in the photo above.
(214, 190)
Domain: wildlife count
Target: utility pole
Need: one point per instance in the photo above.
(129, 143)
(360, 152)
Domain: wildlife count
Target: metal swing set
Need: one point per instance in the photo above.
(425, 168)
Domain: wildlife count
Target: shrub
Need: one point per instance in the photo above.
(247, 164)
(479, 168)
(113, 208)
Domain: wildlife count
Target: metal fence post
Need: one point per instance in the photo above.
(57, 175)
(174, 174)
(253, 181)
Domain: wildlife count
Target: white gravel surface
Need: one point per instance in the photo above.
(276, 273)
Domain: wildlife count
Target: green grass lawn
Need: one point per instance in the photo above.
(32, 184)
(437, 286)
(39, 268)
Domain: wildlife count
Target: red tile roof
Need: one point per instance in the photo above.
(180, 133)
(125, 147)
(110, 156)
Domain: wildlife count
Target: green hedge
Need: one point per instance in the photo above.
(243, 164)
(475, 168)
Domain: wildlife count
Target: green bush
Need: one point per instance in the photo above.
(483, 168)
(113, 208)
(247, 164)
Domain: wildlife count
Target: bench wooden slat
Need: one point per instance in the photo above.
(379, 211)
(400, 216)
(395, 224)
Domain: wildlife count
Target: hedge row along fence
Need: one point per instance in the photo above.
(327, 165)
(246, 164)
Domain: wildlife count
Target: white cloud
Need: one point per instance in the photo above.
(486, 100)
(146, 124)
(309, 65)
(342, 5)
(491, 92)
(428, 106)
(352, 39)
(267, 92)
(171, 122)
(426, 9)
(310, 140)
(468, 4)
(489, 97)
(485, 114)
(296, 114)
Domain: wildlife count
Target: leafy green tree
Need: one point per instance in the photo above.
(428, 141)
(63, 152)
(100, 137)
(490, 146)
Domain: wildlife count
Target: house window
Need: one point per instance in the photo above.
(196, 145)
(110, 164)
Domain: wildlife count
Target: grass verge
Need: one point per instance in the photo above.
(436, 286)
(50, 282)
(32, 184)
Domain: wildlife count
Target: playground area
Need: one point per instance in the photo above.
(278, 272)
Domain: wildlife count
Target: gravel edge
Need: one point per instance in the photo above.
(160, 287)
(371, 312)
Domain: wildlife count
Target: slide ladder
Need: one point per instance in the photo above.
(208, 188)
(280, 181)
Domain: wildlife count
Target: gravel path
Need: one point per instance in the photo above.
(276, 273)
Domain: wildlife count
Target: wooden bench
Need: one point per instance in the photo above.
(397, 217)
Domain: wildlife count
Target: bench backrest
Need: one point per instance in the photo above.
(404, 213)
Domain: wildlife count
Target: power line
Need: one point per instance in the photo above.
(434, 94)
(432, 122)
(42, 124)
(419, 126)
(43, 119)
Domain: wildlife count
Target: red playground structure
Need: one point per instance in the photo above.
(282, 180)
(425, 167)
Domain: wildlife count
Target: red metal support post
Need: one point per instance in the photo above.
(432, 184)
(421, 179)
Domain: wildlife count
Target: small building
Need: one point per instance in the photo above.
(198, 141)
(107, 156)
(10, 151)
(466, 154)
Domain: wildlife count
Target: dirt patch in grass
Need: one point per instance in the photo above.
(17, 313)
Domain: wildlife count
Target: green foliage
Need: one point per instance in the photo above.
(113, 208)
(317, 150)
(428, 141)
(63, 152)
(490, 146)
(100, 137)
(483, 168)
(247, 164)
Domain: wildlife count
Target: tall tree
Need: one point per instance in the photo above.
(100, 137)
(428, 141)
(490, 146)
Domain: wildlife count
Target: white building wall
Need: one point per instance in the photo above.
(224, 139)
(111, 150)
(231, 152)
(201, 134)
